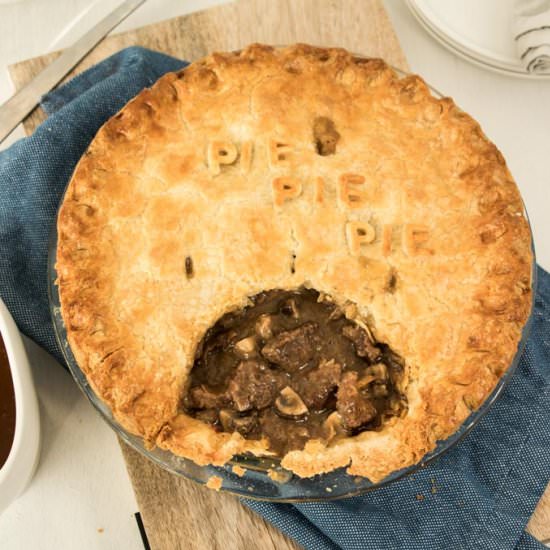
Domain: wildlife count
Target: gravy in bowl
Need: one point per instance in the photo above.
(7, 406)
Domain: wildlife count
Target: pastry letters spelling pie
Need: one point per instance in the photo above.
(293, 253)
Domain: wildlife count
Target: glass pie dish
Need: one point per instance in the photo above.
(264, 478)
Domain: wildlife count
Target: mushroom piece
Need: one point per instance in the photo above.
(333, 426)
(397, 407)
(350, 310)
(226, 419)
(290, 308)
(246, 347)
(365, 381)
(372, 374)
(337, 313)
(324, 298)
(379, 371)
(264, 326)
(289, 403)
(379, 390)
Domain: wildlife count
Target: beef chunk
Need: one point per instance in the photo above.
(254, 385)
(210, 416)
(245, 425)
(363, 345)
(354, 408)
(283, 434)
(315, 387)
(232, 421)
(203, 398)
(292, 349)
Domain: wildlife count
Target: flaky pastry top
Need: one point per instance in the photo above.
(287, 167)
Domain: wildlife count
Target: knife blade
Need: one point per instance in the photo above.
(15, 109)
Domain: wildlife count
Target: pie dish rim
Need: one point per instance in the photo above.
(264, 487)
(239, 485)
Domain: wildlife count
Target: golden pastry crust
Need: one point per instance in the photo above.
(209, 188)
(215, 483)
(238, 470)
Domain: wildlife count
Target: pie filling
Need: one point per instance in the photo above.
(292, 367)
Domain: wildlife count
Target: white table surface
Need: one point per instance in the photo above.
(81, 496)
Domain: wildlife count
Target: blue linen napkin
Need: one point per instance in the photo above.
(35, 171)
(478, 495)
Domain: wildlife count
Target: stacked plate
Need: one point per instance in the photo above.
(480, 32)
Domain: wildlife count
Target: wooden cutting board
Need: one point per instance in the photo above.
(178, 513)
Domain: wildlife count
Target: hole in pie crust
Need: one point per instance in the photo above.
(325, 136)
(189, 269)
(391, 284)
(293, 367)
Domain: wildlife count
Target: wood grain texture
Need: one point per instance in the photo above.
(178, 513)
(361, 26)
(539, 524)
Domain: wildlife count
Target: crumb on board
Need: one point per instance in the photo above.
(277, 476)
(100, 529)
(434, 486)
(214, 482)
(328, 490)
(238, 470)
(420, 497)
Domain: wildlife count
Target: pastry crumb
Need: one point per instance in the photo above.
(328, 490)
(420, 497)
(434, 487)
(100, 530)
(238, 470)
(277, 475)
(215, 483)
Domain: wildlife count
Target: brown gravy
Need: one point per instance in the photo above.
(7, 406)
(281, 367)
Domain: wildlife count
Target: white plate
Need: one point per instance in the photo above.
(478, 31)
